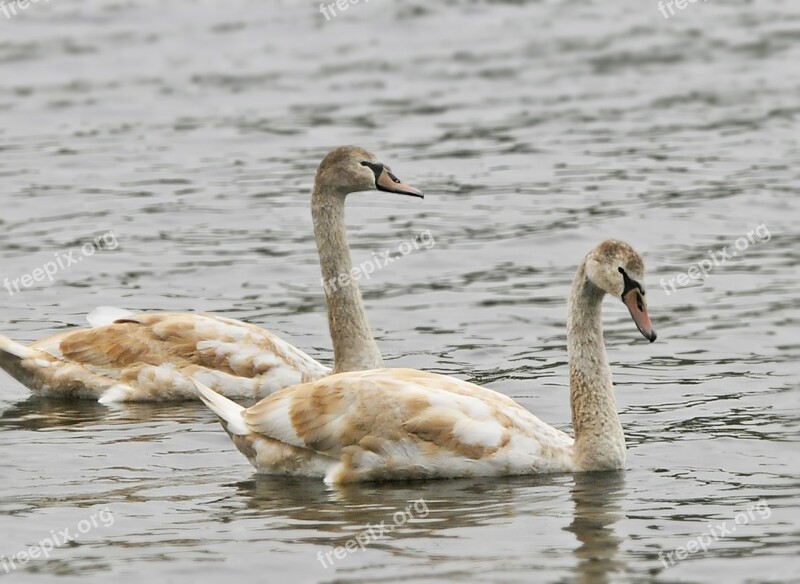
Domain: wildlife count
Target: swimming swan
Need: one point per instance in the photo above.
(391, 424)
(129, 356)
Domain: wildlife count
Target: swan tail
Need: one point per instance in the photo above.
(14, 350)
(229, 412)
(17, 359)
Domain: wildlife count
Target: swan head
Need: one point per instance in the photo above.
(350, 169)
(617, 269)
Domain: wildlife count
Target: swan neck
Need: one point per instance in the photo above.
(599, 441)
(354, 348)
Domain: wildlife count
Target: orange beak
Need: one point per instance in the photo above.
(637, 306)
(388, 182)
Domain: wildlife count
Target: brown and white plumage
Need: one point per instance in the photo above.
(390, 424)
(154, 356)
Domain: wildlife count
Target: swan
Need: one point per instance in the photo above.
(395, 424)
(126, 356)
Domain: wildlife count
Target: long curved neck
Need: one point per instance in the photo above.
(599, 441)
(354, 348)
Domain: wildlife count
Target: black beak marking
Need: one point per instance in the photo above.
(376, 169)
(630, 283)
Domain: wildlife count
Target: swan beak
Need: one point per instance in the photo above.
(637, 306)
(388, 182)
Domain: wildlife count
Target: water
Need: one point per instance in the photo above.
(191, 130)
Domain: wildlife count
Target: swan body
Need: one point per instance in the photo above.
(393, 424)
(154, 356)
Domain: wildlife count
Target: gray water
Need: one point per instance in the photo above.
(187, 132)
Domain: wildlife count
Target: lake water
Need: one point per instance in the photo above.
(187, 133)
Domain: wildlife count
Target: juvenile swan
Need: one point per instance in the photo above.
(152, 357)
(394, 424)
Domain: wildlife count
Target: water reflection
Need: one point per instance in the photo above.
(314, 514)
(39, 413)
(597, 498)
(339, 512)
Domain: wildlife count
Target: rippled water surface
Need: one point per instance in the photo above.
(190, 130)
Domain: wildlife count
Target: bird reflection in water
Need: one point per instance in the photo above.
(596, 497)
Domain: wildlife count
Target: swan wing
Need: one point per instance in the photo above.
(152, 356)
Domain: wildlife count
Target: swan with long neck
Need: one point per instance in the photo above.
(129, 356)
(353, 345)
(396, 424)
